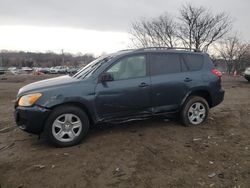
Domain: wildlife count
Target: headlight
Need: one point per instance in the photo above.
(28, 100)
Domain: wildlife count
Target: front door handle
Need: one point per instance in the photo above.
(187, 80)
(143, 84)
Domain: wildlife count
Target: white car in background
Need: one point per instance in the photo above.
(26, 70)
(247, 74)
(59, 70)
(14, 70)
(53, 70)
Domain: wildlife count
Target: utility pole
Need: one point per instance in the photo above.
(62, 57)
(1, 61)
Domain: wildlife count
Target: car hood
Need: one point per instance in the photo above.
(52, 82)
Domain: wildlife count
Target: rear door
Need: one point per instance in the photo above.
(168, 81)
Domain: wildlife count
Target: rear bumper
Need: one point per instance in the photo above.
(31, 119)
(218, 97)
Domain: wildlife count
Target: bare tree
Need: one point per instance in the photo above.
(235, 53)
(157, 32)
(199, 27)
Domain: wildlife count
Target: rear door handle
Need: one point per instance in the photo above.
(143, 84)
(187, 80)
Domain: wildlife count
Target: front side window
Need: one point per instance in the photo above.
(129, 67)
(165, 63)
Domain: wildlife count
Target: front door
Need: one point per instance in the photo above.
(128, 94)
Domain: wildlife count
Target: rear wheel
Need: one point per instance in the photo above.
(195, 111)
(66, 126)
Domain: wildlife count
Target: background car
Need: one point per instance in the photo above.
(2, 70)
(247, 74)
(44, 70)
(59, 70)
(72, 70)
(26, 70)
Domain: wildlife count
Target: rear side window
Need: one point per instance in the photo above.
(193, 62)
(165, 63)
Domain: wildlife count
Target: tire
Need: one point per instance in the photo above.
(195, 111)
(66, 126)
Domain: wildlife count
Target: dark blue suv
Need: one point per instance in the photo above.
(127, 85)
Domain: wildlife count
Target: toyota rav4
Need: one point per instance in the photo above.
(124, 86)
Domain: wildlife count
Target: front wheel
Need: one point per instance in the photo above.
(66, 126)
(194, 111)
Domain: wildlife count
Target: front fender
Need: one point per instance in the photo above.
(87, 104)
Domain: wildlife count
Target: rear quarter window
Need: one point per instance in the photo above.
(194, 62)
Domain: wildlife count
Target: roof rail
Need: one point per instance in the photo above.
(168, 48)
(125, 50)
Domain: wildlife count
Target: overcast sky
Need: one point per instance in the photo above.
(93, 26)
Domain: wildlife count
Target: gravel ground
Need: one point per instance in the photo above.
(150, 153)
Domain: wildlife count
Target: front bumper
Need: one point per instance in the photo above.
(31, 119)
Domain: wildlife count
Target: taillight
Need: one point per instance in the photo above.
(217, 73)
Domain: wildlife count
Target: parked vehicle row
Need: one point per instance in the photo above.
(58, 70)
(44, 70)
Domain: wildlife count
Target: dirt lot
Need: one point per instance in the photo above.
(152, 153)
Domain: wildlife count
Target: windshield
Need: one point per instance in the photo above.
(91, 67)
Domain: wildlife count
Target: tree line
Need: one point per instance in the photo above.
(48, 59)
(195, 27)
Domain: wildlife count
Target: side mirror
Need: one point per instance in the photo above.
(106, 77)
